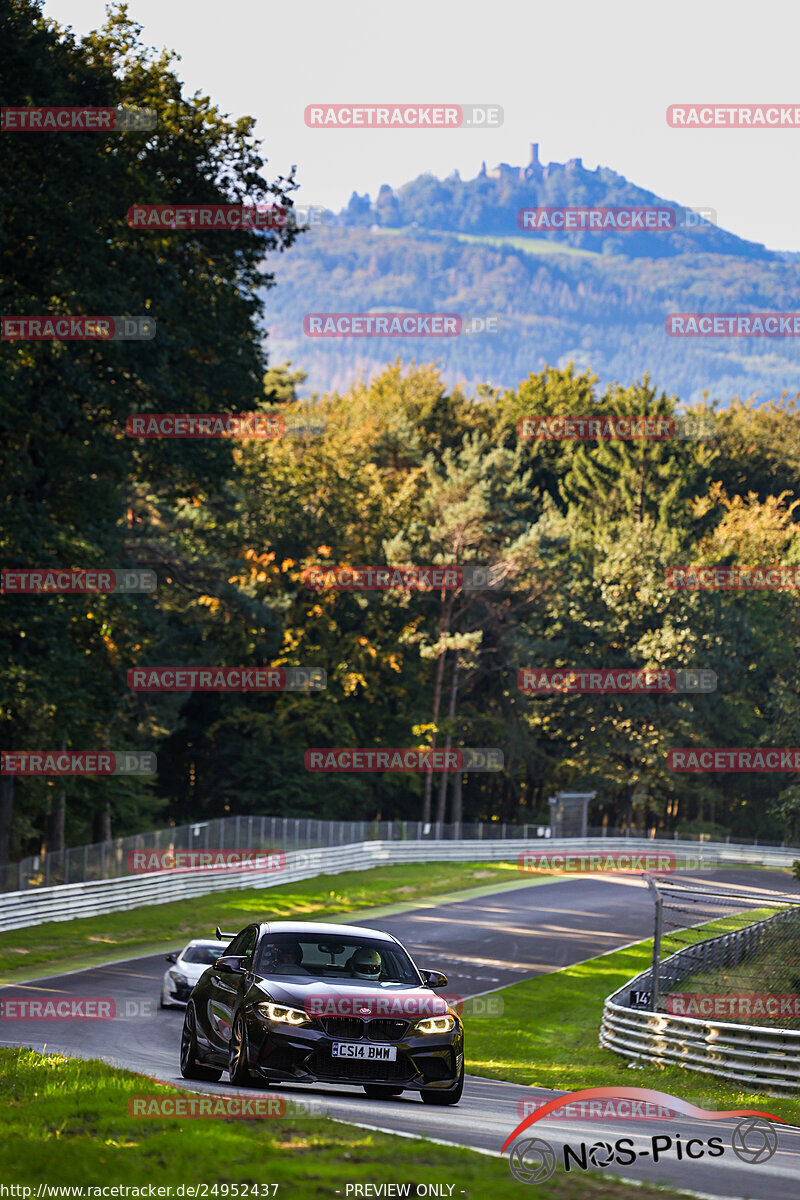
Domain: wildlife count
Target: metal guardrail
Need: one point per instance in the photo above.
(109, 860)
(768, 1058)
(65, 902)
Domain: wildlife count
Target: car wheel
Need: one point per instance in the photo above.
(437, 1097)
(237, 1063)
(190, 1068)
(380, 1091)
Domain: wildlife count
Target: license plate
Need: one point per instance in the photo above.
(364, 1050)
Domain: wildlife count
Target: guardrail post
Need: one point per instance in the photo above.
(657, 931)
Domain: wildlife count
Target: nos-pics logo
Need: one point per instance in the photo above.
(534, 1160)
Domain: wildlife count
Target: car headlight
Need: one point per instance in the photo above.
(436, 1025)
(176, 975)
(279, 1012)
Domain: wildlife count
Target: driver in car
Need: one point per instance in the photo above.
(365, 964)
(289, 960)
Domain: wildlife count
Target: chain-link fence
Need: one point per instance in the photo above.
(744, 967)
(110, 860)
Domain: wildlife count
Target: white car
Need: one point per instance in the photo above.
(187, 968)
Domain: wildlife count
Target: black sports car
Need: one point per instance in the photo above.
(320, 1003)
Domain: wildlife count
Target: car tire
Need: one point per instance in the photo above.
(381, 1091)
(190, 1068)
(431, 1096)
(238, 1069)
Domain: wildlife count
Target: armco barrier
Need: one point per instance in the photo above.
(766, 1058)
(67, 901)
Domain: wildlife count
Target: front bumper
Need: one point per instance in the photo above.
(176, 993)
(303, 1054)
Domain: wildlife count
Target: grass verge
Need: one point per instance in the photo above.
(66, 1122)
(547, 1034)
(90, 941)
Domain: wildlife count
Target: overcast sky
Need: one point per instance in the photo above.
(584, 79)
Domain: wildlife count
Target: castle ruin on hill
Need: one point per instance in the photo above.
(534, 170)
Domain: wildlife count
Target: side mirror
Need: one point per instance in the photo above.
(173, 958)
(231, 964)
(434, 979)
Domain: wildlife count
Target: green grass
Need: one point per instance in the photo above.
(547, 1035)
(529, 245)
(90, 941)
(66, 1122)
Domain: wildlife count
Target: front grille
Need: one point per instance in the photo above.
(323, 1064)
(386, 1030)
(347, 1028)
(353, 1029)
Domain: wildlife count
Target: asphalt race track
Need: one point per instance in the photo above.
(482, 944)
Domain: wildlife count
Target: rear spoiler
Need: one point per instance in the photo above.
(224, 937)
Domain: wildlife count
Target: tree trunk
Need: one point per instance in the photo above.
(6, 813)
(102, 824)
(56, 819)
(54, 828)
(451, 712)
(437, 700)
(458, 806)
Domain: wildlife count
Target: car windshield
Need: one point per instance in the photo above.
(202, 954)
(345, 958)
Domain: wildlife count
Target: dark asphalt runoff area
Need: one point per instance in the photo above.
(481, 943)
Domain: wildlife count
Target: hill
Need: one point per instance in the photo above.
(599, 299)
